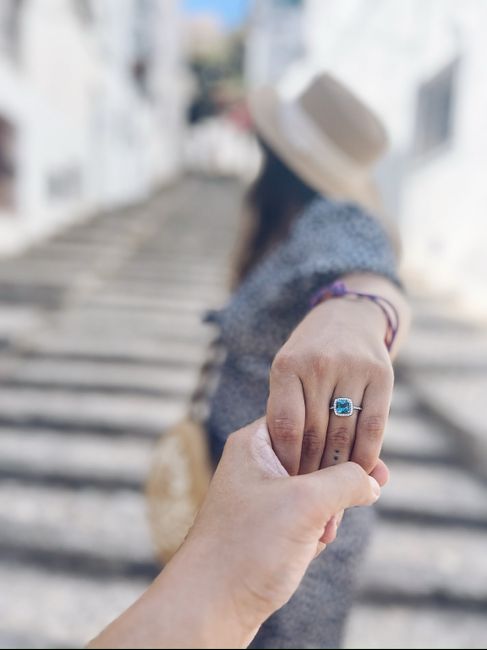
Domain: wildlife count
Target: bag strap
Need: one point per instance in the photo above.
(208, 377)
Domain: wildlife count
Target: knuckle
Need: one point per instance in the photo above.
(342, 361)
(347, 361)
(319, 364)
(372, 426)
(356, 472)
(285, 430)
(284, 363)
(312, 443)
(340, 436)
(382, 371)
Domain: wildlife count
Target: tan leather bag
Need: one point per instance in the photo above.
(180, 470)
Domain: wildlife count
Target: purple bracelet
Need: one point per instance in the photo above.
(338, 290)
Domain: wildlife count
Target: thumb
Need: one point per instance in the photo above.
(342, 486)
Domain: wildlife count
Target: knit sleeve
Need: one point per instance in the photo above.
(329, 240)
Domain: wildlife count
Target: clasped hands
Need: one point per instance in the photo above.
(279, 491)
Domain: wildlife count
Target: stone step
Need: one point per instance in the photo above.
(211, 293)
(105, 320)
(403, 399)
(215, 271)
(136, 333)
(85, 458)
(60, 251)
(18, 321)
(65, 610)
(48, 272)
(102, 377)
(414, 627)
(111, 300)
(407, 563)
(172, 354)
(75, 530)
(449, 350)
(60, 409)
(417, 438)
(457, 399)
(180, 282)
(434, 493)
(39, 295)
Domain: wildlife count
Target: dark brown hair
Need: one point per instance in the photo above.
(272, 202)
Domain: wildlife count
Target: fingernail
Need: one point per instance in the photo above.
(375, 487)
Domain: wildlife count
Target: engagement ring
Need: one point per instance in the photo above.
(344, 407)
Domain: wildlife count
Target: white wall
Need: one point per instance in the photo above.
(385, 49)
(47, 106)
(274, 40)
(78, 112)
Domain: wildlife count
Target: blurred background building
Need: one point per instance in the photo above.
(421, 65)
(92, 101)
(275, 39)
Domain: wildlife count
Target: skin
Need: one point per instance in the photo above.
(254, 538)
(337, 350)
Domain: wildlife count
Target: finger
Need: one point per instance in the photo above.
(331, 529)
(340, 487)
(341, 429)
(317, 395)
(340, 517)
(285, 417)
(320, 547)
(371, 424)
(380, 473)
(258, 443)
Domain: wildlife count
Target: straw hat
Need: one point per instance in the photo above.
(327, 136)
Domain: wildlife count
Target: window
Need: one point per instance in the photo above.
(434, 113)
(64, 183)
(82, 10)
(7, 165)
(10, 27)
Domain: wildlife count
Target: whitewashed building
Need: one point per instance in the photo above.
(422, 65)
(91, 109)
(274, 39)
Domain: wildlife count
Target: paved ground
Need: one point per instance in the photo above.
(101, 345)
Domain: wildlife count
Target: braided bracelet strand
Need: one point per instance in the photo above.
(339, 289)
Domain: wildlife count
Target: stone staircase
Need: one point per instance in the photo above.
(101, 344)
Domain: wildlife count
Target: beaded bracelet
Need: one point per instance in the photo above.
(338, 290)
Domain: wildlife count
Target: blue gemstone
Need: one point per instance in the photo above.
(343, 406)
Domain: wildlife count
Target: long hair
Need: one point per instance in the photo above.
(272, 203)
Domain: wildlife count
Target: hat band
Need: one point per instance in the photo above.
(303, 134)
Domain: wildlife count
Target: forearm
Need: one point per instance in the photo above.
(381, 286)
(187, 606)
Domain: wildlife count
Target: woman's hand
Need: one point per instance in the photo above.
(338, 350)
(247, 552)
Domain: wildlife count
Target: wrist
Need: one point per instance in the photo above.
(202, 584)
(340, 291)
(360, 314)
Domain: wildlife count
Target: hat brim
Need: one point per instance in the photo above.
(317, 164)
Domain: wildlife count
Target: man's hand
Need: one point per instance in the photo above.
(256, 534)
(265, 527)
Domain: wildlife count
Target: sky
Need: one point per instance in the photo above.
(231, 12)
